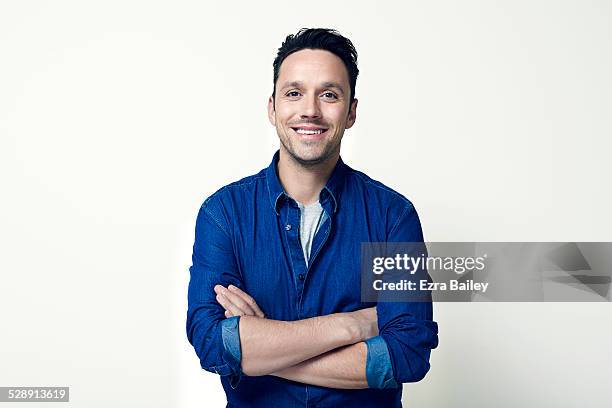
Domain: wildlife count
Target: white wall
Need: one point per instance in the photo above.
(118, 118)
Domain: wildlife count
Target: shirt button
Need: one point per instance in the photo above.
(301, 276)
(287, 227)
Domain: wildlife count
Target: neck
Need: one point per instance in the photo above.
(304, 184)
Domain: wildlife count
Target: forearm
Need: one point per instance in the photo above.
(272, 345)
(344, 367)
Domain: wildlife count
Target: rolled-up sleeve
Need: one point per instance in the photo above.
(379, 371)
(407, 328)
(215, 339)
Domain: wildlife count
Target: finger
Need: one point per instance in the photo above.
(229, 306)
(228, 313)
(248, 299)
(238, 301)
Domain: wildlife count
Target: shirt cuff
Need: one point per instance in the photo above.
(379, 371)
(232, 354)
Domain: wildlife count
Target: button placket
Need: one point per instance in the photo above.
(291, 227)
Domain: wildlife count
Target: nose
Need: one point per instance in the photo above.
(311, 108)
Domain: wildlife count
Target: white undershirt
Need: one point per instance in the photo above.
(312, 217)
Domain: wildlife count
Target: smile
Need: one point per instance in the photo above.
(303, 131)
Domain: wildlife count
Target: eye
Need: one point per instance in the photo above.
(292, 94)
(330, 95)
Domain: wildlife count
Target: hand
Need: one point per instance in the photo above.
(236, 302)
(366, 322)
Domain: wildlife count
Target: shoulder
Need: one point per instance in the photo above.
(231, 195)
(376, 189)
(391, 209)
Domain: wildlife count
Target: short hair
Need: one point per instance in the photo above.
(319, 39)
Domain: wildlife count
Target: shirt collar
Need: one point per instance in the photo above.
(275, 189)
(332, 188)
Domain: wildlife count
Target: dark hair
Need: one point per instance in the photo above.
(319, 39)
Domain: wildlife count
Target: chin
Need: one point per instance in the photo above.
(310, 159)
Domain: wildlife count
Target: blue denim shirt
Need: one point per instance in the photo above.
(247, 235)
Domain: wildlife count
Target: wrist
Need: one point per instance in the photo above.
(353, 328)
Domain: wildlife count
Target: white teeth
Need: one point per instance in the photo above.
(309, 132)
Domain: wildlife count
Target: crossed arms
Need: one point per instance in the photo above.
(327, 351)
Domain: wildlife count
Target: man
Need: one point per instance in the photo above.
(274, 295)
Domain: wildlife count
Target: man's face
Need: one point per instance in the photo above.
(312, 106)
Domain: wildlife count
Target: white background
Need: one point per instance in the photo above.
(118, 118)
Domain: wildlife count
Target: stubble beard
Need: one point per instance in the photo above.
(329, 151)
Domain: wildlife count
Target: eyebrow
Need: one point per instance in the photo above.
(299, 84)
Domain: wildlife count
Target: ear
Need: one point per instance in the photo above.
(271, 112)
(352, 114)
